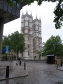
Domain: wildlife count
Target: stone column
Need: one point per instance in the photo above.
(1, 34)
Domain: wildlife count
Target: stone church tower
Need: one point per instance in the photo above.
(32, 34)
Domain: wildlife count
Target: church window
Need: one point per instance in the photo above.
(26, 23)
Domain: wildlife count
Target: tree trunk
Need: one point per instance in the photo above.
(17, 54)
(22, 54)
(1, 34)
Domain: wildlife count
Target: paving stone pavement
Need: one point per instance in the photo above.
(60, 68)
(15, 71)
(39, 73)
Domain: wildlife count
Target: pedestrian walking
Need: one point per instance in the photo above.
(20, 62)
(57, 63)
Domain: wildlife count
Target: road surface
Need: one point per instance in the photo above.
(39, 73)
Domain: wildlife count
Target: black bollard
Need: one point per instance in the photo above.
(24, 66)
(20, 62)
(7, 71)
(61, 63)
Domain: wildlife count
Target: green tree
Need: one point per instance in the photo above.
(16, 42)
(39, 53)
(53, 46)
(5, 42)
(58, 10)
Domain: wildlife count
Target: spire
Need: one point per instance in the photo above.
(40, 19)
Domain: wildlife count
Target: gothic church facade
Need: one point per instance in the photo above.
(32, 34)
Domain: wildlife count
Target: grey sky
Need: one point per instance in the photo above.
(43, 12)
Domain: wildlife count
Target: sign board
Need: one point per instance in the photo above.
(6, 49)
(3, 50)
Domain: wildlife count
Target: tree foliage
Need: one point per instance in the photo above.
(5, 42)
(39, 53)
(58, 10)
(14, 41)
(53, 46)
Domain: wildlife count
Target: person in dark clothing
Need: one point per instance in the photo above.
(20, 62)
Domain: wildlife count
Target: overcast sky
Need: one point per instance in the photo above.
(43, 12)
